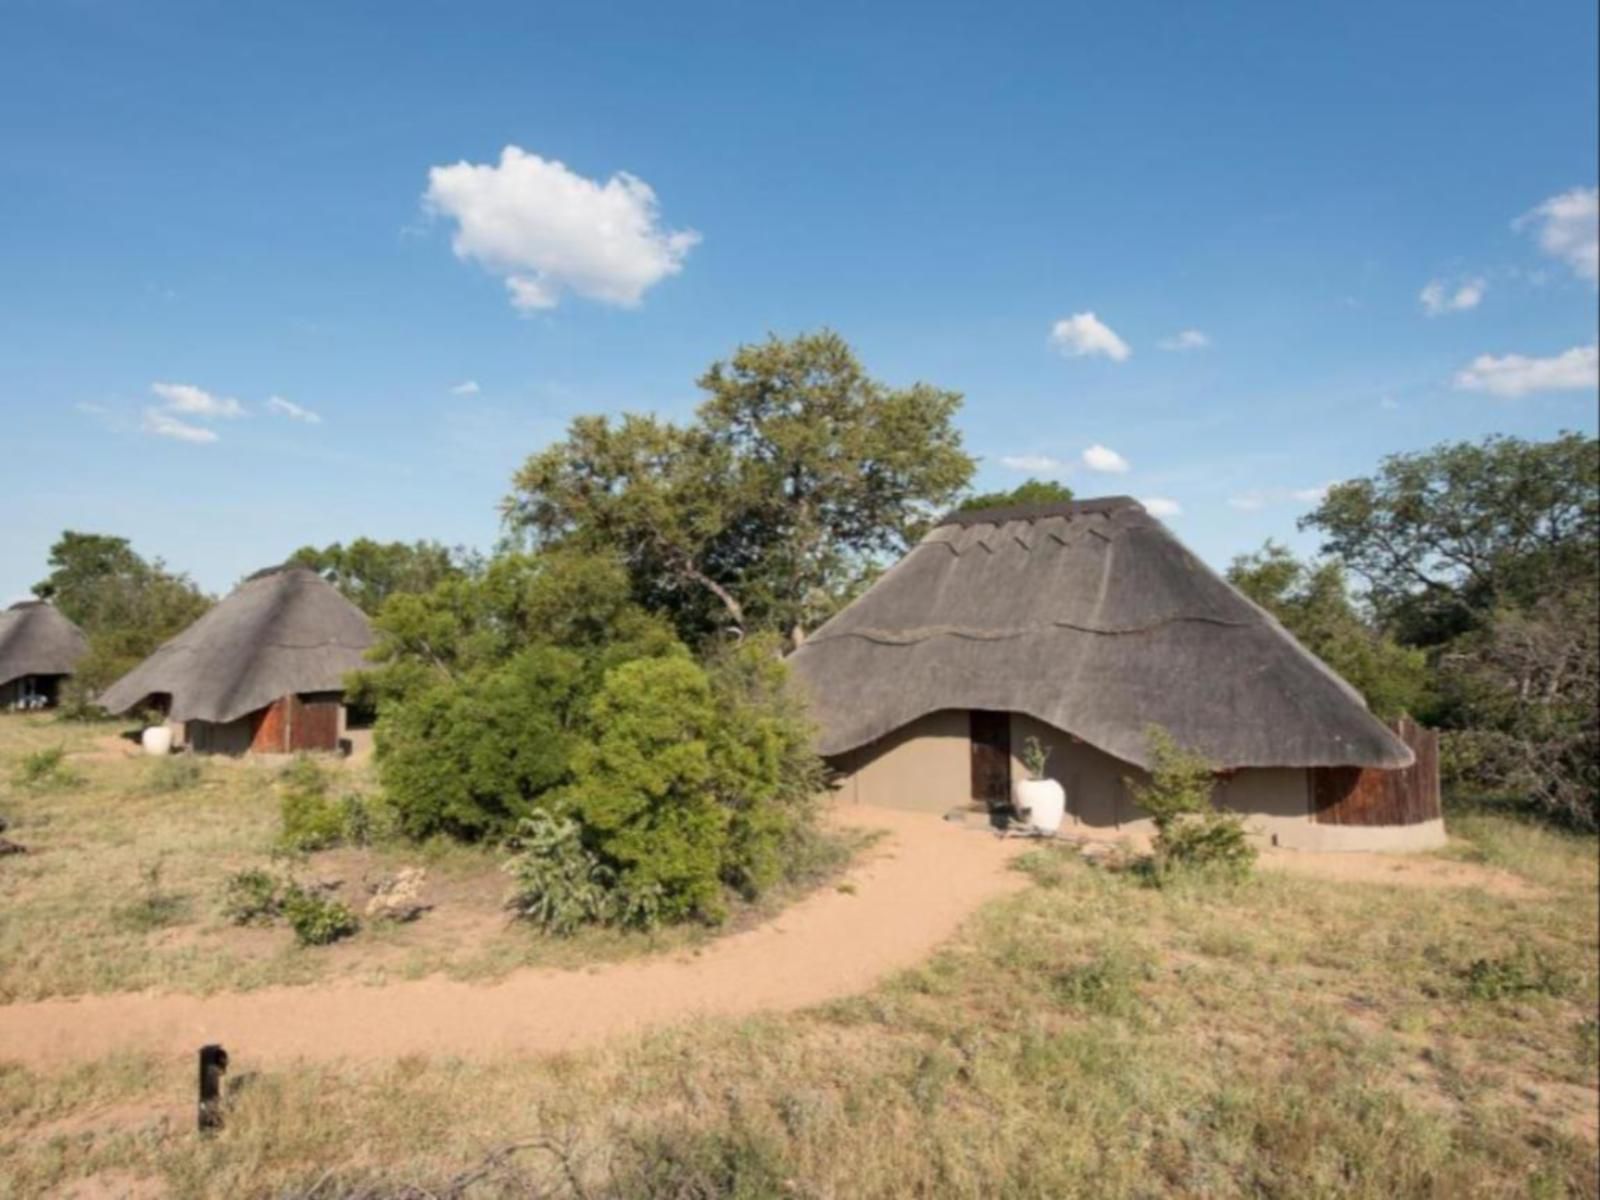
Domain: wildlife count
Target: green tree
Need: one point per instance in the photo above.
(1031, 491)
(1314, 603)
(1449, 535)
(799, 474)
(369, 572)
(125, 605)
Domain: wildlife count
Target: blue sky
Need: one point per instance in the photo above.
(1020, 202)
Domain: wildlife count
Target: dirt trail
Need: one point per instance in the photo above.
(911, 892)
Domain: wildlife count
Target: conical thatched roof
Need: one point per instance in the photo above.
(280, 631)
(1093, 618)
(35, 639)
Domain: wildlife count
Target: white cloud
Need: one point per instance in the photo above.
(1438, 298)
(1161, 506)
(467, 387)
(549, 230)
(196, 402)
(1311, 495)
(293, 411)
(164, 424)
(1248, 502)
(1030, 462)
(98, 410)
(1106, 460)
(1259, 498)
(1187, 339)
(1518, 375)
(1569, 229)
(1084, 334)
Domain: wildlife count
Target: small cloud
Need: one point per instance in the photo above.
(97, 410)
(292, 410)
(1259, 498)
(1161, 506)
(1030, 462)
(1389, 404)
(546, 230)
(1188, 339)
(1084, 334)
(1106, 460)
(196, 402)
(1438, 298)
(164, 424)
(1568, 228)
(467, 387)
(1518, 375)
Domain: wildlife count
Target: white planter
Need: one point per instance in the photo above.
(1043, 801)
(157, 740)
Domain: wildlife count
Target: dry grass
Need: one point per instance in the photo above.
(1286, 1037)
(124, 880)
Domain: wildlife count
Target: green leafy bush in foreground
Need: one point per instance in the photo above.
(1192, 835)
(558, 884)
(252, 897)
(46, 771)
(317, 920)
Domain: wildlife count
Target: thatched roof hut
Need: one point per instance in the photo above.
(284, 639)
(38, 648)
(1089, 623)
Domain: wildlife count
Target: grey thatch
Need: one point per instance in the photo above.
(282, 631)
(1093, 618)
(35, 639)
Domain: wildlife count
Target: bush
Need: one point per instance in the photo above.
(173, 774)
(317, 919)
(252, 897)
(1191, 834)
(46, 771)
(1521, 973)
(156, 909)
(470, 759)
(312, 820)
(559, 885)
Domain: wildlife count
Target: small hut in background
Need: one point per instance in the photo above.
(39, 648)
(262, 672)
(1083, 625)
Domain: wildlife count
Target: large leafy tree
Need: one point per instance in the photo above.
(1314, 603)
(1446, 536)
(126, 605)
(799, 474)
(1487, 554)
(368, 572)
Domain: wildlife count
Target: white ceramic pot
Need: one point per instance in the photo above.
(157, 740)
(1044, 801)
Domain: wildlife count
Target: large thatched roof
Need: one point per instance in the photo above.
(1093, 618)
(280, 631)
(35, 639)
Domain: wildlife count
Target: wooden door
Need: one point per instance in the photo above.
(991, 757)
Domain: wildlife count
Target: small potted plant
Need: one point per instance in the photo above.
(1041, 801)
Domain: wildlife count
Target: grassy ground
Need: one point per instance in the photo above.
(1090, 1036)
(123, 883)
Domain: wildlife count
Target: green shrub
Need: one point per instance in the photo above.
(156, 908)
(558, 884)
(176, 773)
(46, 771)
(471, 758)
(317, 919)
(1524, 972)
(312, 819)
(1192, 836)
(252, 897)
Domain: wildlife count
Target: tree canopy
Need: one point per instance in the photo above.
(798, 475)
(368, 572)
(1030, 491)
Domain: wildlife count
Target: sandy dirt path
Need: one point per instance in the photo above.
(911, 892)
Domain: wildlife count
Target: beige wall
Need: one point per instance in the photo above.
(926, 766)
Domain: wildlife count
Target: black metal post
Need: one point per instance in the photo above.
(213, 1066)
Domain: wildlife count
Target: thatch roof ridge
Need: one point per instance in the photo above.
(282, 630)
(1092, 617)
(36, 639)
